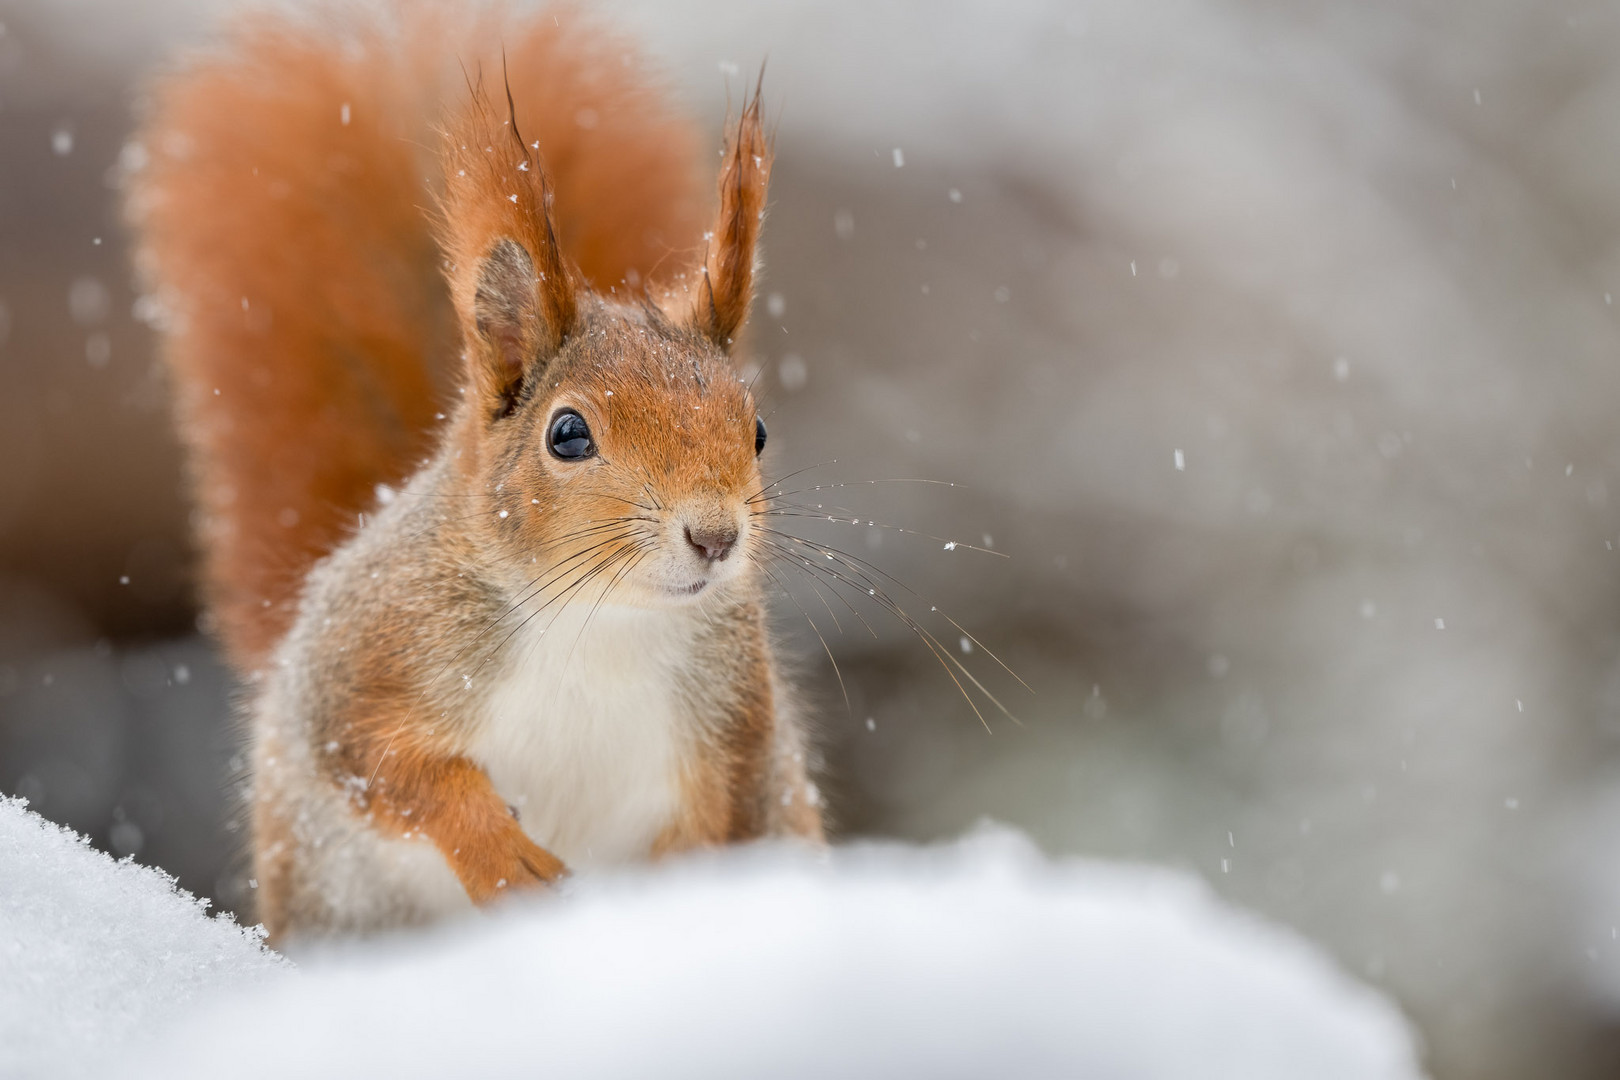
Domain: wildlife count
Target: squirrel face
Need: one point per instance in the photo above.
(615, 439)
(634, 449)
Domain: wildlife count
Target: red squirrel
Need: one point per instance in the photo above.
(489, 640)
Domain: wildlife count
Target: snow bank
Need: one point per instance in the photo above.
(94, 951)
(976, 959)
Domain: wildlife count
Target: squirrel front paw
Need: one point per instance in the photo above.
(506, 863)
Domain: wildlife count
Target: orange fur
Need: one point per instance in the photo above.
(451, 801)
(497, 190)
(309, 319)
(726, 291)
(289, 168)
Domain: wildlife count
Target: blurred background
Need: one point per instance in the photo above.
(1273, 344)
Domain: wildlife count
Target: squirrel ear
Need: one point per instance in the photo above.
(725, 285)
(514, 292)
(510, 328)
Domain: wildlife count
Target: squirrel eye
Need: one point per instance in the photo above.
(759, 435)
(570, 437)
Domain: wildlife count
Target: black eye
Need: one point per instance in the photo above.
(570, 438)
(759, 435)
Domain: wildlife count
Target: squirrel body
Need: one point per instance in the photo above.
(543, 645)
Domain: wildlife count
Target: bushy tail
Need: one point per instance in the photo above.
(283, 221)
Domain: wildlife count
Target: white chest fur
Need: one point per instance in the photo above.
(582, 730)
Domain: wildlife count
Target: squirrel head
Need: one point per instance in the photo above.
(609, 436)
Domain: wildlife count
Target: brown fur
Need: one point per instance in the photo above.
(723, 295)
(559, 195)
(310, 325)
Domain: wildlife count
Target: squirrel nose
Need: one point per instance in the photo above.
(712, 542)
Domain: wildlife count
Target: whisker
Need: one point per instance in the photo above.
(810, 513)
(858, 483)
(939, 651)
(599, 526)
(868, 567)
(645, 485)
(573, 587)
(756, 496)
(830, 615)
(620, 498)
(640, 552)
(848, 708)
(861, 582)
(558, 570)
(809, 568)
(852, 610)
(389, 742)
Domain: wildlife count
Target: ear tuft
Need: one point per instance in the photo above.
(515, 294)
(725, 286)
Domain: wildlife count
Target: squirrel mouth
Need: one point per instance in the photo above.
(690, 590)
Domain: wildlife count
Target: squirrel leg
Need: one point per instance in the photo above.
(451, 801)
(728, 791)
(719, 807)
(703, 818)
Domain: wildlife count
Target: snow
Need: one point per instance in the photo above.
(973, 959)
(93, 952)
